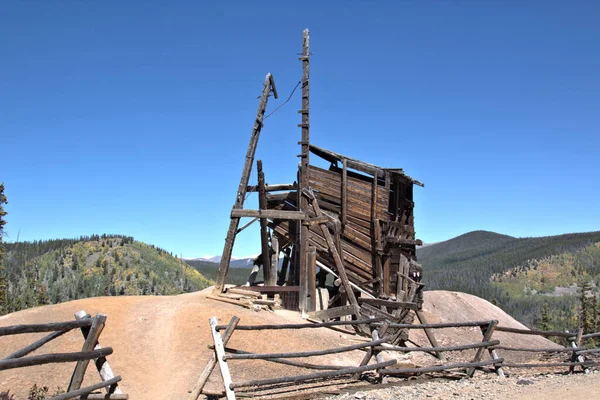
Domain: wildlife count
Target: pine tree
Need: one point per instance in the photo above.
(3, 285)
(545, 317)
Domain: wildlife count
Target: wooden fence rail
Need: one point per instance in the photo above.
(91, 328)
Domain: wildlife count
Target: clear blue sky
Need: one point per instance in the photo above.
(133, 117)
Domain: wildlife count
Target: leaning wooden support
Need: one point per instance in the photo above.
(35, 345)
(269, 86)
(212, 362)
(270, 214)
(264, 235)
(441, 325)
(429, 334)
(266, 356)
(79, 392)
(220, 352)
(317, 375)
(293, 363)
(53, 358)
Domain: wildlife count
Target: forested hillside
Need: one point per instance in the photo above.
(53, 271)
(235, 275)
(474, 262)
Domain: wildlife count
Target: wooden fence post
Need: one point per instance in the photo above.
(220, 351)
(101, 363)
(487, 336)
(91, 339)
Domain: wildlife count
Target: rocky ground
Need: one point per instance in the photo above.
(516, 387)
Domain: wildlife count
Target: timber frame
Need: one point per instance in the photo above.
(338, 242)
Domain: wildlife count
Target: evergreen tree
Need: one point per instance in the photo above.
(545, 317)
(3, 280)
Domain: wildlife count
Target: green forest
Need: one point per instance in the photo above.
(54, 271)
(520, 274)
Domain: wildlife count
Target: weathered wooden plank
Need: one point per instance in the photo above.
(316, 325)
(535, 332)
(274, 187)
(271, 280)
(387, 303)
(264, 235)
(212, 362)
(333, 312)
(312, 278)
(437, 349)
(220, 351)
(429, 333)
(270, 214)
(404, 371)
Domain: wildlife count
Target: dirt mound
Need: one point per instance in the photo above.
(160, 342)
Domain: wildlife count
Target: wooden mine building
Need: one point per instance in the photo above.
(346, 233)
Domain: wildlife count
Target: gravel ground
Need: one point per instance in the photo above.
(549, 386)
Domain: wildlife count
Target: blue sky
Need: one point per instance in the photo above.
(134, 117)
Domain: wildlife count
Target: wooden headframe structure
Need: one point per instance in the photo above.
(346, 234)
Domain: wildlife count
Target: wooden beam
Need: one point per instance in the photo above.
(53, 358)
(387, 303)
(264, 235)
(83, 391)
(35, 345)
(243, 186)
(429, 334)
(270, 214)
(212, 362)
(334, 312)
(312, 278)
(344, 193)
(284, 267)
(274, 188)
(220, 352)
(50, 327)
(329, 324)
(271, 280)
(247, 225)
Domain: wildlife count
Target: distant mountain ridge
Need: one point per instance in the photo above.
(247, 262)
(468, 262)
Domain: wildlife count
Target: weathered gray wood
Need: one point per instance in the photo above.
(102, 365)
(264, 235)
(438, 348)
(243, 186)
(312, 279)
(53, 358)
(535, 332)
(91, 339)
(499, 370)
(265, 356)
(212, 362)
(429, 334)
(344, 193)
(404, 371)
(441, 325)
(387, 303)
(272, 280)
(284, 266)
(247, 225)
(35, 345)
(584, 364)
(302, 326)
(275, 187)
(76, 393)
(230, 301)
(248, 293)
(317, 375)
(270, 214)
(49, 327)
(540, 350)
(292, 363)
(104, 396)
(577, 357)
(220, 351)
(489, 332)
(334, 312)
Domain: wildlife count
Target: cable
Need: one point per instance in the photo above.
(282, 104)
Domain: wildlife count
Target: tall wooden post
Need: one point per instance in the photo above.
(264, 235)
(304, 179)
(269, 86)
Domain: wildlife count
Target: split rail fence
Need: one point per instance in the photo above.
(577, 354)
(91, 328)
